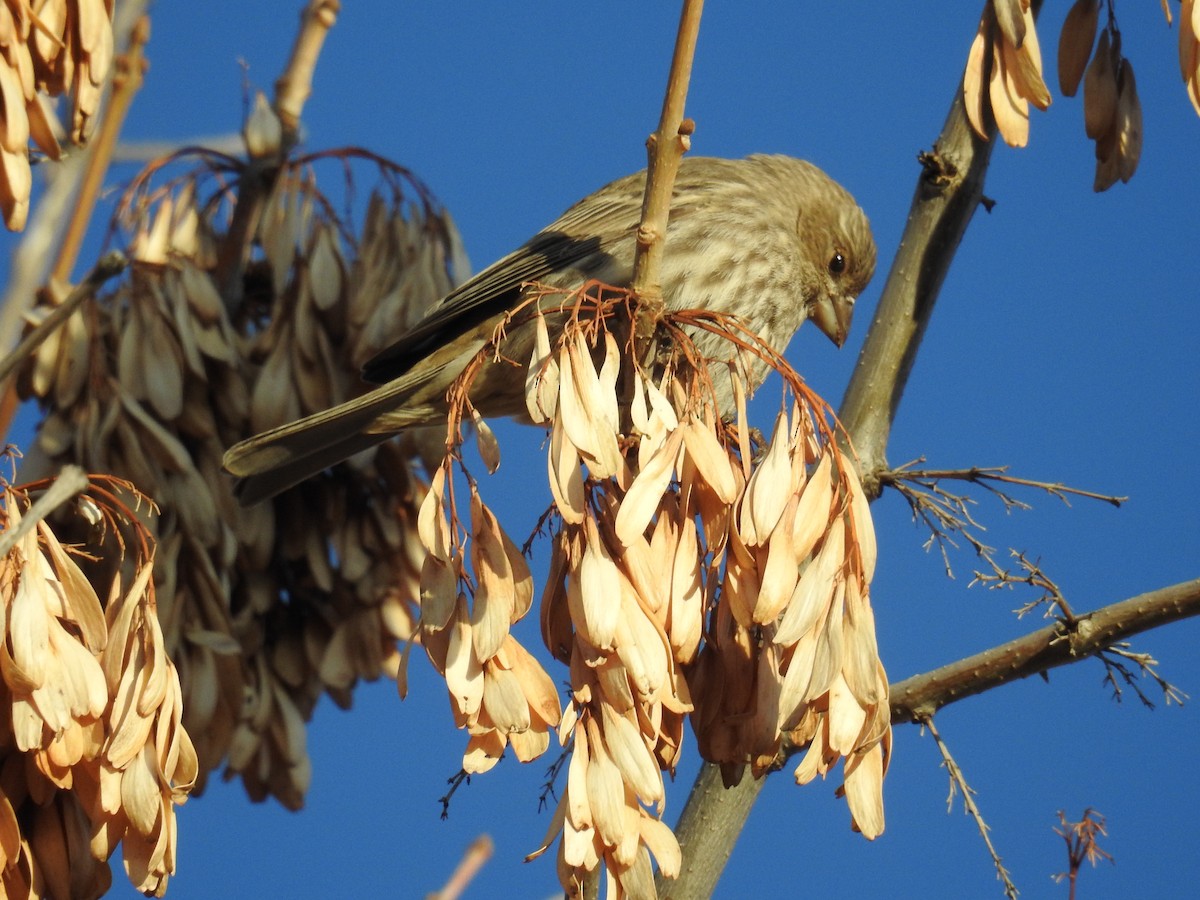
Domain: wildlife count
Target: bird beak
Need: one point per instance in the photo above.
(832, 315)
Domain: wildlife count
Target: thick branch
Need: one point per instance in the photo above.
(947, 195)
(1055, 645)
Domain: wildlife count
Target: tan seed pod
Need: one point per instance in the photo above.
(1025, 63)
(1100, 91)
(1129, 123)
(1009, 108)
(1075, 44)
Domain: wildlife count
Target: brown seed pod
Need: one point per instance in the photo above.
(1075, 44)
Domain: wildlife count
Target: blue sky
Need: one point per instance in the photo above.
(1064, 345)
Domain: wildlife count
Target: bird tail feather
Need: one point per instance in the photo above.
(269, 463)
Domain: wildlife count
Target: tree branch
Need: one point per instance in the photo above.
(1055, 645)
(664, 150)
(948, 192)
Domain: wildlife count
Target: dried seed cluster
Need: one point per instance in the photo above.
(1189, 48)
(93, 752)
(1112, 112)
(262, 609)
(47, 48)
(1004, 77)
(1004, 70)
(687, 582)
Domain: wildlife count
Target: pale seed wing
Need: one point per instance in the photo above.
(1009, 108)
(973, 91)
(623, 741)
(814, 510)
(710, 459)
(846, 717)
(566, 478)
(780, 573)
(645, 493)
(1075, 44)
(661, 841)
(766, 492)
(815, 589)
(864, 791)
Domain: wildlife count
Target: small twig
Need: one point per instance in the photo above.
(1116, 668)
(1034, 577)
(958, 784)
(473, 860)
(552, 773)
(1082, 844)
(982, 475)
(147, 151)
(457, 780)
(664, 150)
(947, 514)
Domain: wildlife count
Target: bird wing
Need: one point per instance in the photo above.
(585, 232)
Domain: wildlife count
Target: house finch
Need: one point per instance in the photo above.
(769, 239)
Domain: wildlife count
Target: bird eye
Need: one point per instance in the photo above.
(837, 264)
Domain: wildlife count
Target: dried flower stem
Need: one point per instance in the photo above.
(1091, 634)
(958, 784)
(664, 149)
(1082, 844)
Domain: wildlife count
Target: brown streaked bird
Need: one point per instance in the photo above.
(770, 239)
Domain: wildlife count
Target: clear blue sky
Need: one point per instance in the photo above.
(1064, 345)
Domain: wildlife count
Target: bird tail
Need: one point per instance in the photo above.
(270, 463)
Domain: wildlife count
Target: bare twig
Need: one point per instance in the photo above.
(664, 149)
(473, 860)
(1118, 672)
(947, 514)
(958, 784)
(457, 780)
(143, 152)
(983, 475)
(294, 86)
(1090, 634)
(552, 772)
(1051, 594)
(1082, 844)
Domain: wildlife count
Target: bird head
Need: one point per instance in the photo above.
(844, 251)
